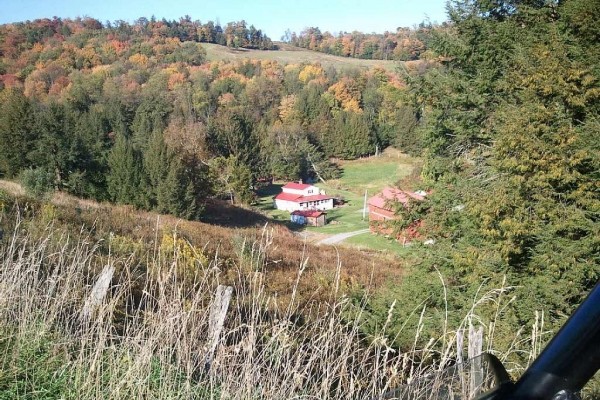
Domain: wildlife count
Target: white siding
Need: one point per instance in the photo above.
(286, 205)
(316, 205)
(309, 191)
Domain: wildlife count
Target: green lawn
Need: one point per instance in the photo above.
(374, 173)
(345, 218)
(376, 242)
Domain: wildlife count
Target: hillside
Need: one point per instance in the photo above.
(143, 330)
(231, 231)
(288, 54)
(142, 114)
(146, 329)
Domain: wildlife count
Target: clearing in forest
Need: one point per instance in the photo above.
(288, 54)
(371, 174)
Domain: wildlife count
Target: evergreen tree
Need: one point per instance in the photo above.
(152, 113)
(16, 134)
(156, 162)
(233, 179)
(89, 177)
(56, 149)
(509, 119)
(171, 190)
(234, 136)
(349, 136)
(124, 172)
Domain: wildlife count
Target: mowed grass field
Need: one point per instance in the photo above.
(294, 55)
(371, 174)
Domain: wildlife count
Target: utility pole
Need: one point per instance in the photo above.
(365, 206)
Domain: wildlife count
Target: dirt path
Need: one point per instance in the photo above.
(342, 236)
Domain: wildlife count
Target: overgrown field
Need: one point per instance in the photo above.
(229, 234)
(145, 335)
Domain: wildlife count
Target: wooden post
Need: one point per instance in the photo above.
(475, 350)
(98, 292)
(216, 320)
(460, 336)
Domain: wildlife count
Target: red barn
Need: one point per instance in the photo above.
(380, 205)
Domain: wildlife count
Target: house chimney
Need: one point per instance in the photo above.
(300, 181)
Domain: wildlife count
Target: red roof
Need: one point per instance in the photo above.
(301, 199)
(288, 196)
(296, 186)
(308, 213)
(391, 194)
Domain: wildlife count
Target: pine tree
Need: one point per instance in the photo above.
(156, 162)
(16, 134)
(124, 172)
(171, 190)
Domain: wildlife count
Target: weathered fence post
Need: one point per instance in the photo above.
(460, 366)
(475, 349)
(99, 292)
(216, 320)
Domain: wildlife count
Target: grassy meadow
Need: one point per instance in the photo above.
(144, 332)
(288, 54)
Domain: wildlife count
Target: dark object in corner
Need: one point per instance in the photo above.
(567, 363)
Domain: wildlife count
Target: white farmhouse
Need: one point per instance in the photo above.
(302, 196)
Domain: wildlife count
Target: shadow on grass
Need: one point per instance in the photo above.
(222, 213)
(269, 190)
(265, 196)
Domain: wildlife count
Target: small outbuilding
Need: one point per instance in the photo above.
(308, 217)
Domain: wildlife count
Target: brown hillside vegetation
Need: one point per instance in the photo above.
(126, 230)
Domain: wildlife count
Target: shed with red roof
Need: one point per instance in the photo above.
(308, 217)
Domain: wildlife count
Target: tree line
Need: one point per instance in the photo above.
(405, 44)
(84, 32)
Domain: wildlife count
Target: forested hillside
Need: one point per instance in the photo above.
(512, 137)
(133, 113)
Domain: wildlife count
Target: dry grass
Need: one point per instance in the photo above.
(148, 337)
(12, 187)
(223, 238)
(285, 254)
